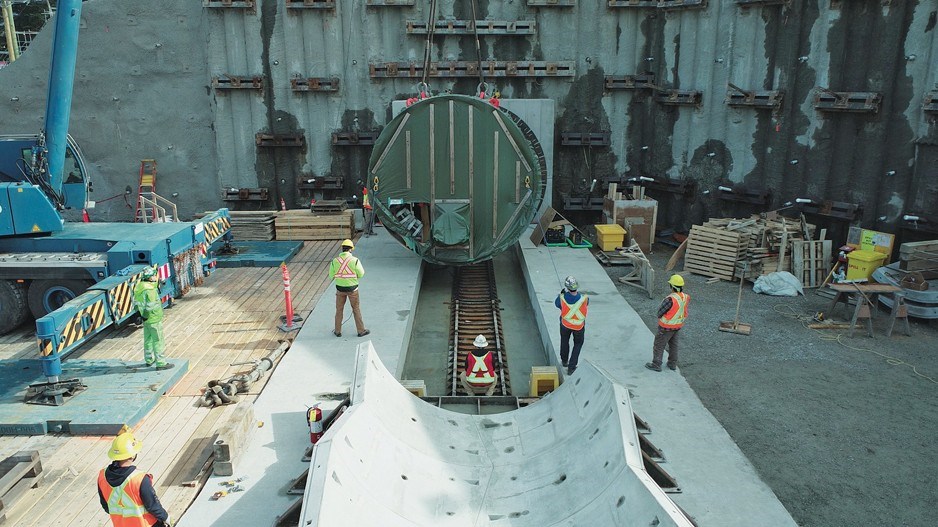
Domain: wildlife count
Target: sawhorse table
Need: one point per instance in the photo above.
(866, 296)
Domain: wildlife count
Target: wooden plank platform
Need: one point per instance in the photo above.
(232, 318)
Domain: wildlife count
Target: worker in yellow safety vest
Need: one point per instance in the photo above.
(346, 270)
(671, 316)
(150, 306)
(368, 213)
(573, 307)
(479, 376)
(127, 493)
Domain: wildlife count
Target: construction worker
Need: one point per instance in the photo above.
(150, 306)
(573, 307)
(671, 317)
(126, 493)
(368, 212)
(479, 375)
(346, 270)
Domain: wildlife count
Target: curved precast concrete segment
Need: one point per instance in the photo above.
(572, 458)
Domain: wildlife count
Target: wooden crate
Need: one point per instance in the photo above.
(304, 225)
(919, 256)
(714, 252)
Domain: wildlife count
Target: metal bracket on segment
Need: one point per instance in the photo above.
(740, 98)
(679, 97)
(310, 4)
(53, 393)
(470, 27)
(315, 84)
(366, 138)
(644, 81)
(280, 140)
(585, 138)
(234, 4)
(552, 3)
(827, 100)
(246, 194)
(930, 103)
(390, 3)
(461, 68)
(238, 82)
(658, 4)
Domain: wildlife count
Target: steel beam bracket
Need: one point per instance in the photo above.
(233, 4)
(314, 84)
(583, 203)
(458, 69)
(470, 27)
(837, 4)
(551, 3)
(280, 140)
(585, 138)
(659, 4)
(751, 3)
(310, 4)
(826, 100)
(245, 194)
(645, 81)
(390, 3)
(833, 209)
(671, 97)
(755, 197)
(765, 100)
(355, 138)
(238, 82)
(313, 182)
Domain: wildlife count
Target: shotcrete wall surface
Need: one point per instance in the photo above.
(146, 70)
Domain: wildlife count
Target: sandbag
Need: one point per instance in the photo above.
(780, 283)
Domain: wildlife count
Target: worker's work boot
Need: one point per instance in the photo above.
(165, 366)
(672, 366)
(336, 333)
(366, 332)
(652, 367)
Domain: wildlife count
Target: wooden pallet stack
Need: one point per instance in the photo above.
(19, 472)
(810, 261)
(713, 251)
(762, 253)
(920, 256)
(305, 225)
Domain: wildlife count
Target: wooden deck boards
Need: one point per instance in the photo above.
(232, 318)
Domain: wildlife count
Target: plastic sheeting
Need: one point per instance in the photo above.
(467, 175)
(780, 283)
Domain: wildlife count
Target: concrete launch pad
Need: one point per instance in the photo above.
(719, 485)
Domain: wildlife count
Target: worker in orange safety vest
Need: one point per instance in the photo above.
(671, 316)
(479, 375)
(127, 493)
(346, 270)
(573, 307)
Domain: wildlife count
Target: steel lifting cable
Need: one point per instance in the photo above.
(431, 26)
(483, 88)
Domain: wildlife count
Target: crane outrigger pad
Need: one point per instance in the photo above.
(115, 393)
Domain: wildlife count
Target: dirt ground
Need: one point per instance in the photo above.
(842, 429)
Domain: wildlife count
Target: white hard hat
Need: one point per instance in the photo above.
(480, 342)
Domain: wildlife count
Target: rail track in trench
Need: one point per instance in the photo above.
(475, 310)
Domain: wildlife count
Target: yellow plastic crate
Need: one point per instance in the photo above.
(610, 236)
(544, 379)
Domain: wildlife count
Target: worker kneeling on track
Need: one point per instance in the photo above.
(126, 493)
(479, 376)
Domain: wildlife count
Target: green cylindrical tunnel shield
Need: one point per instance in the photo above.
(456, 179)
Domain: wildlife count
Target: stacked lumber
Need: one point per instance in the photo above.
(249, 224)
(919, 256)
(714, 252)
(305, 225)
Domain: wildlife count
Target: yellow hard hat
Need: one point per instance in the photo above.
(348, 243)
(676, 280)
(124, 446)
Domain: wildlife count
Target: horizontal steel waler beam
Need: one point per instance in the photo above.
(490, 68)
(469, 27)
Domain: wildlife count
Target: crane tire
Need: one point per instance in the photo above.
(13, 309)
(46, 296)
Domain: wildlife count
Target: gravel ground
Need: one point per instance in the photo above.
(842, 429)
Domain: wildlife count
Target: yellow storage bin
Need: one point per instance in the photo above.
(861, 264)
(610, 236)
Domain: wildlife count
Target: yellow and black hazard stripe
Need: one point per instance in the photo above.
(216, 228)
(121, 297)
(84, 323)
